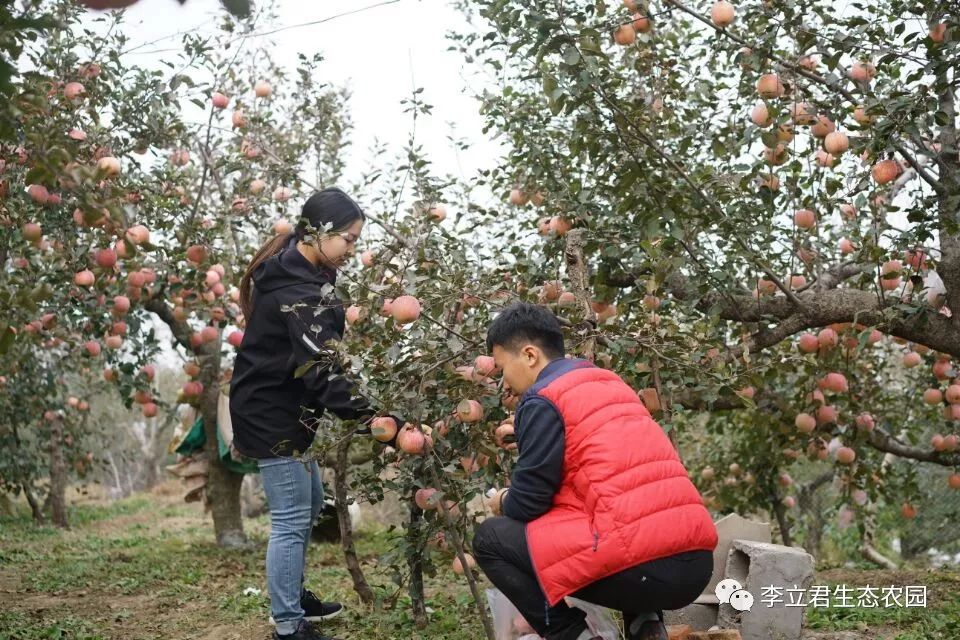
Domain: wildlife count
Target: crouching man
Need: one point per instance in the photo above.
(599, 505)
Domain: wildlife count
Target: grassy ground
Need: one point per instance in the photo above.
(146, 567)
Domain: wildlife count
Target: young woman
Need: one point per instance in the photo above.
(287, 295)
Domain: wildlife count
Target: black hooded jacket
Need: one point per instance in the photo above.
(295, 313)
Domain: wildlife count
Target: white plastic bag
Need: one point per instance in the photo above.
(508, 624)
(599, 619)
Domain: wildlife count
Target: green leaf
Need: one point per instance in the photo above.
(302, 369)
(6, 339)
(549, 85)
(37, 175)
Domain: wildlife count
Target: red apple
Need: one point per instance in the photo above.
(262, 89)
(383, 428)
(405, 309)
(84, 278)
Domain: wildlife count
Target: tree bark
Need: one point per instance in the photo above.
(808, 499)
(415, 562)
(949, 165)
(577, 273)
(35, 509)
(869, 528)
(340, 485)
(867, 535)
(58, 476)
(223, 486)
(781, 513)
(116, 475)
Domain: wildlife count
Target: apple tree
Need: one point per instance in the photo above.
(766, 197)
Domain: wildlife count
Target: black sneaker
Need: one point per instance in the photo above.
(305, 631)
(651, 630)
(314, 609)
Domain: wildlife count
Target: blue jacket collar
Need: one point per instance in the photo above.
(553, 370)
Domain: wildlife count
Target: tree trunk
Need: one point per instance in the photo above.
(58, 476)
(415, 561)
(340, 485)
(35, 508)
(223, 486)
(116, 475)
(810, 503)
(150, 472)
(867, 536)
(814, 538)
(781, 512)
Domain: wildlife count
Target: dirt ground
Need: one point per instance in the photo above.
(147, 567)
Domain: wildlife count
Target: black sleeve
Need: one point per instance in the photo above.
(311, 326)
(538, 473)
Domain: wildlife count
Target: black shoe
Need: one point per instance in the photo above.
(316, 610)
(305, 631)
(651, 630)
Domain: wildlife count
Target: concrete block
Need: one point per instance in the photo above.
(699, 616)
(757, 565)
(729, 528)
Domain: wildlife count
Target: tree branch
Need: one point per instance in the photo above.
(949, 267)
(836, 274)
(577, 273)
(883, 440)
(340, 486)
(812, 486)
(923, 326)
(181, 330)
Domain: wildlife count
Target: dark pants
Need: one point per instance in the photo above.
(500, 547)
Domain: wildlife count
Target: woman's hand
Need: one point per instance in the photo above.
(384, 429)
(496, 502)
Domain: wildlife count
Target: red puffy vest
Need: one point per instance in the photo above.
(625, 498)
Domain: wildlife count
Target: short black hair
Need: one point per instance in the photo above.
(523, 323)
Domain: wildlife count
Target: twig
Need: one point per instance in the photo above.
(340, 484)
(458, 545)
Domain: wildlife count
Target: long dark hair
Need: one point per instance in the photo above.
(330, 207)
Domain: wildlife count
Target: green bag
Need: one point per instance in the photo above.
(195, 440)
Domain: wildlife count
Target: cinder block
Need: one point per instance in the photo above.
(729, 528)
(699, 616)
(756, 565)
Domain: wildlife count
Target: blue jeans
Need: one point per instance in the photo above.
(295, 496)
